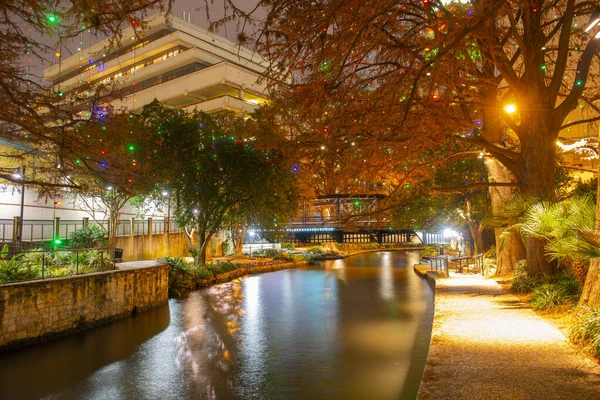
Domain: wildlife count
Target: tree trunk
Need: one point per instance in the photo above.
(511, 249)
(477, 235)
(538, 167)
(591, 290)
(239, 244)
(113, 220)
(203, 242)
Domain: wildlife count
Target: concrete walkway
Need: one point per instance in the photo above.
(486, 345)
(129, 265)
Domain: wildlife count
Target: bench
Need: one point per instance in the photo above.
(219, 260)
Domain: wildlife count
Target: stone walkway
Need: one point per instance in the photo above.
(486, 345)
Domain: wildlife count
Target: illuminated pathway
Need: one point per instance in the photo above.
(486, 345)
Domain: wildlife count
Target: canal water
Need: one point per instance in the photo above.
(356, 328)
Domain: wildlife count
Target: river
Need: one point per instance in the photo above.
(357, 328)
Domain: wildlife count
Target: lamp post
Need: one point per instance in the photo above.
(168, 195)
(21, 176)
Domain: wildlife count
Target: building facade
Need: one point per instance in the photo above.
(171, 60)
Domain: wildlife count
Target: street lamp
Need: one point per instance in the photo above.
(510, 108)
(168, 195)
(20, 175)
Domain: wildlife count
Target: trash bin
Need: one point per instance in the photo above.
(118, 254)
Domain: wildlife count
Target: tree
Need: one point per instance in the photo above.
(451, 68)
(216, 176)
(35, 117)
(444, 201)
(116, 163)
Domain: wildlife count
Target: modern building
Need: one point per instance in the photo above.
(173, 61)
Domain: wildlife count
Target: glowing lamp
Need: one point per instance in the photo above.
(510, 108)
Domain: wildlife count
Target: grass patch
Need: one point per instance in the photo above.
(586, 331)
(548, 296)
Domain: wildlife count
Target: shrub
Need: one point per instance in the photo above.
(288, 246)
(227, 267)
(430, 250)
(284, 256)
(88, 237)
(548, 296)
(271, 252)
(213, 270)
(202, 273)
(521, 282)
(315, 250)
(14, 270)
(586, 330)
(524, 284)
(181, 277)
(570, 285)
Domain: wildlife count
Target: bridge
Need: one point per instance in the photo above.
(346, 219)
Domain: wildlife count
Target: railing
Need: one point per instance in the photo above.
(253, 248)
(67, 227)
(475, 264)
(439, 263)
(337, 222)
(46, 230)
(27, 265)
(6, 229)
(37, 230)
(123, 228)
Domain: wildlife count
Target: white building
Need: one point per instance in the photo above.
(178, 63)
(172, 60)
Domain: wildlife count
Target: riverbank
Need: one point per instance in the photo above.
(37, 311)
(247, 270)
(486, 344)
(336, 251)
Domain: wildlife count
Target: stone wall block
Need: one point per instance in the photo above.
(38, 310)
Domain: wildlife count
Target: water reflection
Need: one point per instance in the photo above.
(40, 370)
(347, 329)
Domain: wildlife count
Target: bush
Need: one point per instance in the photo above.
(213, 270)
(586, 330)
(89, 237)
(524, 284)
(15, 270)
(548, 296)
(430, 250)
(570, 285)
(271, 252)
(288, 246)
(227, 267)
(203, 274)
(181, 276)
(283, 256)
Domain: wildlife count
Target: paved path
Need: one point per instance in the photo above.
(487, 345)
(124, 266)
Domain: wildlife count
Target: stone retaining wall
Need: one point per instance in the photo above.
(39, 310)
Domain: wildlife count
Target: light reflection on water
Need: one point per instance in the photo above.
(343, 330)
